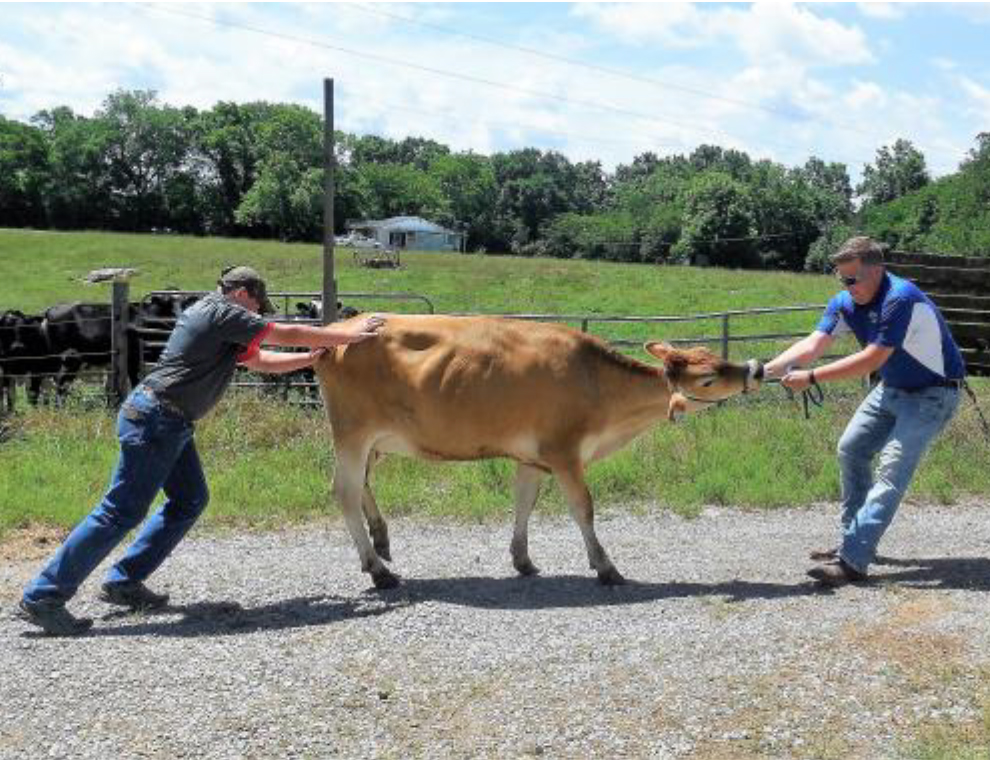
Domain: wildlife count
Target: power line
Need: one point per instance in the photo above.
(463, 77)
(607, 70)
(451, 116)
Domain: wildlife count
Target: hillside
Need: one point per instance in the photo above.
(38, 269)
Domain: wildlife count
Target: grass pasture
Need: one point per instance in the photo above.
(268, 463)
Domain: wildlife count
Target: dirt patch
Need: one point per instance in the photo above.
(30, 543)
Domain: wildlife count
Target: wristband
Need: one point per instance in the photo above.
(811, 377)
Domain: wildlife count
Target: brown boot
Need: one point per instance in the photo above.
(837, 574)
(823, 555)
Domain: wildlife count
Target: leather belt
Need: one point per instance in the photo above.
(164, 403)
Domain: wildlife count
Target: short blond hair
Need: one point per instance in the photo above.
(861, 247)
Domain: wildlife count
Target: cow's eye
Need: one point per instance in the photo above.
(707, 381)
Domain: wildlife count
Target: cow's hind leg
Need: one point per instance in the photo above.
(376, 523)
(348, 487)
(571, 479)
(527, 489)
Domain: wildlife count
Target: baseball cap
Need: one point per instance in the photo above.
(248, 278)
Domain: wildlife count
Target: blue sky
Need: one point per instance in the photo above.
(603, 81)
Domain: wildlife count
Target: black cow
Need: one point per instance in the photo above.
(25, 355)
(81, 334)
(156, 315)
(314, 310)
(68, 337)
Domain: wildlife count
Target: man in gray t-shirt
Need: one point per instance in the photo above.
(158, 450)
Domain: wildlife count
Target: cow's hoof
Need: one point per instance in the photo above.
(384, 579)
(384, 552)
(610, 577)
(526, 568)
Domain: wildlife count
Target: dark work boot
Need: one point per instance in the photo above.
(133, 594)
(52, 617)
(836, 574)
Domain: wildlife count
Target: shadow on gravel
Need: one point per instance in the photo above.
(955, 573)
(229, 618)
(515, 593)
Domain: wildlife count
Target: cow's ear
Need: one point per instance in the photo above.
(659, 349)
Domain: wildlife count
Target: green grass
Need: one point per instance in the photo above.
(269, 463)
(953, 741)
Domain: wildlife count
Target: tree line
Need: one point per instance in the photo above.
(255, 170)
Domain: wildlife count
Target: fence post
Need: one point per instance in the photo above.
(725, 336)
(119, 381)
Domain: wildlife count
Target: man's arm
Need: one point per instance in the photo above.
(870, 359)
(279, 362)
(305, 336)
(801, 354)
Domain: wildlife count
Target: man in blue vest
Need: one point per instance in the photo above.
(905, 340)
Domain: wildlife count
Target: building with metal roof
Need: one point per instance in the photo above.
(410, 233)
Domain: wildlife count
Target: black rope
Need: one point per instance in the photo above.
(812, 395)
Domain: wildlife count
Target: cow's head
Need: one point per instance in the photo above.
(699, 377)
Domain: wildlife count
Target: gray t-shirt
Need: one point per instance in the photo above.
(202, 352)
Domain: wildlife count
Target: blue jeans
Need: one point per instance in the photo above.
(157, 451)
(899, 426)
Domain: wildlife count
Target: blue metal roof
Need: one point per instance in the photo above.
(406, 224)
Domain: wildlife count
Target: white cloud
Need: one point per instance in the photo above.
(866, 95)
(762, 31)
(979, 98)
(769, 79)
(676, 25)
(886, 11)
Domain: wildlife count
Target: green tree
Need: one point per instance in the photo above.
(467, 182)
(403, 190)
(23, 171)
(719, 225)
(286, 199)
(78, 191)
(898, 170)
(287, 195)
(146, 149)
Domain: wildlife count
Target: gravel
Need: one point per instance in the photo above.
(277, 646)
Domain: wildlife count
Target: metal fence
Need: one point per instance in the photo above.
(721, 329)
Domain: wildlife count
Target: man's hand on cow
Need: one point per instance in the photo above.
(797, 379)
(366, 328)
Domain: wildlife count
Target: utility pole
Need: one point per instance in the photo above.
(329, 162)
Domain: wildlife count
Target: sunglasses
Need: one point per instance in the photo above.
(850, 281)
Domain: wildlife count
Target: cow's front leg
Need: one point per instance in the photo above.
(526, 489)
(348, 487)
(571, 479)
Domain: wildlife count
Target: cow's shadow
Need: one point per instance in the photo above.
(578, 591)
(517, 593)
(507, 593)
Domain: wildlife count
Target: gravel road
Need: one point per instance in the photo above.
(276, 645)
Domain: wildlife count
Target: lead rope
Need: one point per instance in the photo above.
(979, 412)
(813, 394)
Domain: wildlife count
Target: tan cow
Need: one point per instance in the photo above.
(460, 388)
